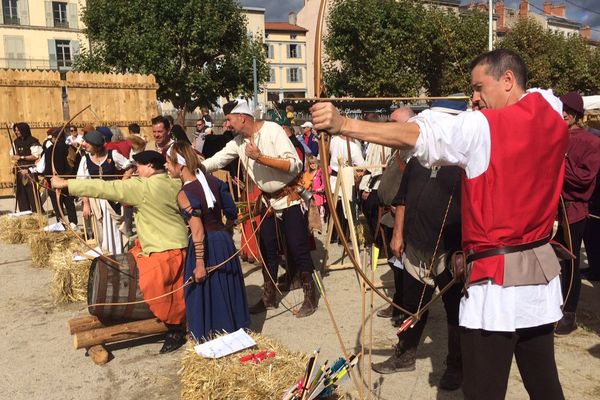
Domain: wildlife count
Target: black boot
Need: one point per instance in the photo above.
(452, 377)
(566, 324)
(405, 352)
(268, 300)
(174, 339)
(309, 305)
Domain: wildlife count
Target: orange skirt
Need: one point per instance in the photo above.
(161, 273)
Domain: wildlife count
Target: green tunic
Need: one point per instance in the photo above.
(159, 225)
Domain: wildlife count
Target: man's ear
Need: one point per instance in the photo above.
(509, 80)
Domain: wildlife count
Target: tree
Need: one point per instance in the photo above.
(563, 63)
(399, 48)
(455, 40)
(198, 50)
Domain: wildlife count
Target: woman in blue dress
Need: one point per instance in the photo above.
(216, 302)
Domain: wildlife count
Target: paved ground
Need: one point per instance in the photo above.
(39, 362)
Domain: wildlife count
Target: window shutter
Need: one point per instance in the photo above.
(23, 12)
(74, 50)
(289, 51)
(289, 74)
(298, 51)
(52, 54)
(1, 15)
(49, 15)
(299, 74)
(72, 15)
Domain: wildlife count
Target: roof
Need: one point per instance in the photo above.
(283, 27)
(559, 21)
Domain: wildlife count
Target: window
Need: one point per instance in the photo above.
(294, 75)
(271, 75)
(294, 51)
(59, 12)
(63, 53)
(270, 51)
(14, 52)
(9, 10)
(293, 36)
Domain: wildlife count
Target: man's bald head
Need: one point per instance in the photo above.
(402, 114)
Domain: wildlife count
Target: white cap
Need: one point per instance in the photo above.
(307, 124)
(240, 107)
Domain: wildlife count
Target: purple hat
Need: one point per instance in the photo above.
(574, 101)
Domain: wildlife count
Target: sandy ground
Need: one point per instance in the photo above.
(39, 362)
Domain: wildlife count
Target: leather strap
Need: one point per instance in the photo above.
(506, 250)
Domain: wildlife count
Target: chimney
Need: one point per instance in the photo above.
(548, 8)
(559, 11)
(292, 18)
(586, 32)
(500, 13)
(524, 9)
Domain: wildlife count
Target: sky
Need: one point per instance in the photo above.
(585, 11)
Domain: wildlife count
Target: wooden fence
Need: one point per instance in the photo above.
(44, 99)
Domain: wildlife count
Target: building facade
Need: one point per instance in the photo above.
(38, 34)
(285, 45)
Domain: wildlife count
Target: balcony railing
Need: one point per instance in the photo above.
(28, 63)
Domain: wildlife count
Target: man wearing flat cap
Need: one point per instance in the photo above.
(162, 235)
(581, 169)
(274, 166)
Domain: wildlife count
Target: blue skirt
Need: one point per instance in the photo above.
(219, 303)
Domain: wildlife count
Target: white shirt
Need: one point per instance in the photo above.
(464, 140)
(376, 155)
(272, 141)
(120, 162)
(338, 148)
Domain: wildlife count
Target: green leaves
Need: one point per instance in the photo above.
(198, 50)
(563, 63)
(399, 48)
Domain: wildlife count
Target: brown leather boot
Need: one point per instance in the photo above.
(268, 300)
(405, 352)
(309, 305)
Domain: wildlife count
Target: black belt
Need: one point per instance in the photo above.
(507, 249)
(333, 173)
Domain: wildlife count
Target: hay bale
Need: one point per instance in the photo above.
(227, 378)
(42, 244)
(15, 230)
(70, 278)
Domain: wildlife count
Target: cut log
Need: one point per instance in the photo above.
(98, 354)
(118, 333)
(81, 324)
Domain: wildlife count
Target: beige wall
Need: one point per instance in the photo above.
(281, 64)
(31, 43)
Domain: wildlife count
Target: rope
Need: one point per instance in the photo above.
(188, 282)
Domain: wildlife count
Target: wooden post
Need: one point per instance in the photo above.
(117, 333)
(98, 354)
(82, 324)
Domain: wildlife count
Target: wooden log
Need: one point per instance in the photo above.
(82, 324)
(98, 354)
(117, 333)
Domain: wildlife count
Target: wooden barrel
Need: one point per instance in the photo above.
(116, 282)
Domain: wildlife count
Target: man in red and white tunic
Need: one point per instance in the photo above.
(512, 152)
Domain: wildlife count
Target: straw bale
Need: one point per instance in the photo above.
(42, 244)
(70, 278)
(15, 230)
(227, 378)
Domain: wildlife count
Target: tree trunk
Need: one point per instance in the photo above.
(81, 324)
(117, 333)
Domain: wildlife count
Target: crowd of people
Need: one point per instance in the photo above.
(457, 198)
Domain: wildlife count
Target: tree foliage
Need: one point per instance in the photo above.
(198, 50)
(399, 48)
(563, 63)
